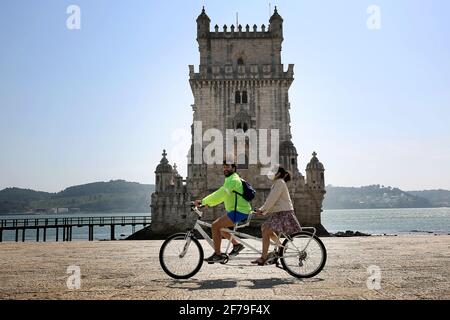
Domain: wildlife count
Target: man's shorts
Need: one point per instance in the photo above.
(237, 216)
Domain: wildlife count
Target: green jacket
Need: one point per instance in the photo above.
(226, 195)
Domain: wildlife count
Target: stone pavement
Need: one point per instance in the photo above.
(412, 267)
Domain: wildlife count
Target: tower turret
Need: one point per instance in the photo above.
(164, 174)
(203, 22)
(276, 25)
(315, 179)
(177, 178)
(288, 156)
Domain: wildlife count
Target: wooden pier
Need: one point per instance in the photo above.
(64, 226)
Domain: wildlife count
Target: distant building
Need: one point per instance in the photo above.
(241, 84)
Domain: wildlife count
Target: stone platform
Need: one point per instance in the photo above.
(412, 267)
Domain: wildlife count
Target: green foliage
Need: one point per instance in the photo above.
(22, 195)
(372, 197)
(112, 196)
(123, 196)
(439, 198)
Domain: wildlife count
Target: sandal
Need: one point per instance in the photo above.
(260, 261)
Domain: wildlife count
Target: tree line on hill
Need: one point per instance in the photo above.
(381, 197)
(132, 197)
(112, 196)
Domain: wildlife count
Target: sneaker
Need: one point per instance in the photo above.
(215, 258)
(236, 249)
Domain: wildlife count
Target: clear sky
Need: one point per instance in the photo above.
(100, 103)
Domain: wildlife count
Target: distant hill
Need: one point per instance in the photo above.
(22, 195)
(123, 196)
(438, 198)
(13, 200)
(112, 196)
(375, 196)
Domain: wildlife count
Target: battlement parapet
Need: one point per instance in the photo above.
(252, 71)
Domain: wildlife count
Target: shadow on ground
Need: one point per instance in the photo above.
(273, 282)
(194, 285)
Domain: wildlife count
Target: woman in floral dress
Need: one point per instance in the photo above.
(282, 217)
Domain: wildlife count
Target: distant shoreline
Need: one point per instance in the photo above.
(145, 213)
(375, 222)
(120, 196)
(389, 208)
(72, 213)
(332, 236)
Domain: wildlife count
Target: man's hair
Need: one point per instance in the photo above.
(233, 165)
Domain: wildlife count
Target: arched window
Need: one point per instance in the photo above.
(240, 62)
(293, 161)
(244, 97)
(237, 97)
(245, 128)
(239, 126)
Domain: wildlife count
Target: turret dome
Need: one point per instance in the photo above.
(315, 164)
(164, 166)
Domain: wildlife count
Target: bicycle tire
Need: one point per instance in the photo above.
(164, 265)
(318, 269)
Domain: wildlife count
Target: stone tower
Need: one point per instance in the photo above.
(241, 84)
(169, 201)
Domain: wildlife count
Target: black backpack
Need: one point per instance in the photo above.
(248, 192)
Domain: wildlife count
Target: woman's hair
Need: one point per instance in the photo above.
(284, 174)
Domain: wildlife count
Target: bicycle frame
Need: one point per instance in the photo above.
(236, 236)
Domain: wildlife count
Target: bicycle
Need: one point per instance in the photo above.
(181, 255)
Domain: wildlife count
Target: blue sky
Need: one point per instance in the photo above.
(100, 103)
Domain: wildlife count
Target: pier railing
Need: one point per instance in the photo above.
(66, 225)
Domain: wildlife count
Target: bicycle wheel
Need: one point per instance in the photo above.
(304, 255)
(181, 257)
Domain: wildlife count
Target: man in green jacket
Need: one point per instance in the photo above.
(234, 215)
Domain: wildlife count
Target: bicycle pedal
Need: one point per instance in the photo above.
(272, 258)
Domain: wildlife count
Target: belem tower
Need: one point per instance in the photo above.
(241, 83)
